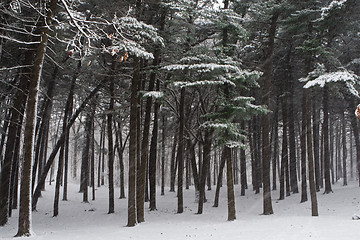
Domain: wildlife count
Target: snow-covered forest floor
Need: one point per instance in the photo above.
(291, 219)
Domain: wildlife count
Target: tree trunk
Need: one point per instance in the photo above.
(230, 184)
(180, 152)
(219, 180)
(110, 137)
(243, 177)
(16, 112)
(101, 149)
(163, 142)
(331, 149)
(266, 148)
(303, 150)
(70, 101)
(24, 228)
(326, 140)
(173, 165)
(133, 145)
(67, 112)
(205, 168)
(355, 128)
(284, 151)
(309, 138)
(316, 128)
(60, 142)
(344, 148)
(276, 143)
(153, 152)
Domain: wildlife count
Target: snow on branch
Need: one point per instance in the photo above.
(120, 35)
(325, 11)
(153, 94)
(341, 76)
(319, 77)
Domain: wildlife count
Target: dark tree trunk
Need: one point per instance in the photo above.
(110, 138)
(120, 146)
(16, 112)
(70, 101)
(43, 127)
(192, 156)
(256, 152)
(67, 112)
(133, 145)
(219, 180)
(316, 128)
(351, 156)
(75, 154)
(331, 141)
(284, 151)
(204, 168)
(24, 227)
(276, 144)
(163, 145)
(173, 165)
(180, 152)
(101, 149)
(92, 150)
(243, 176)
(309, 138)
(141, 177)
(355, 129)
(292, 139)
(303, 150)
(85, 159)
(344, 148)
(153, 152)
(326, 140)
(60, 142)
(230, 185)
(266, 148)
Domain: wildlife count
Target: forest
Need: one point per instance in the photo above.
(212, 101)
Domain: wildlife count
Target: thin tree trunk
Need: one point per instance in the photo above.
(266, 148)
(16, 112)
(133, 145)
(163, 142)
(101, 149)
(219, 180)
(243, 176)
(205, 169)
(331, 141)
(173, 166)
(284, 151)
(314, 205)
(60, 170)
(355, 128)
(303, 150)
(276, 144)
(60, 142)
(351, 156)
(153, 152)
(316, 128)
(180, 152)
(230, 185)
(326, 140)
(110, 138)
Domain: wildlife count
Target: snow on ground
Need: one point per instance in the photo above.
(292, 220)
